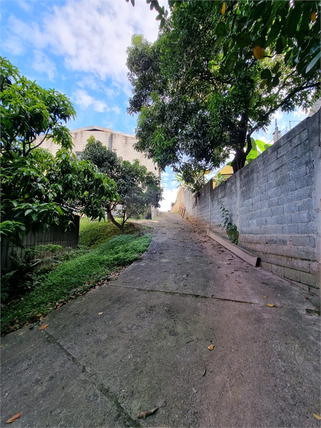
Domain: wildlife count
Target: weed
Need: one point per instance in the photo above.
(73, 277)
(231, 228)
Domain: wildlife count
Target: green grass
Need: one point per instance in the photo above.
(93, 233)
(73, 277)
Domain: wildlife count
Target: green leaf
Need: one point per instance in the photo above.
(243, 40)
(59, 210)
(275, 81)
(313, 62)
(293, 19)
(220, 29)
(263, 83)
(287, 56)
(279, 45)
(266, 74)
(274, 32)
(262, 145)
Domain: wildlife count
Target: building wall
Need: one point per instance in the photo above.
(122, 144)
(275, 201)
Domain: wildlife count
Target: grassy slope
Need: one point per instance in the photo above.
(93, 233)
(74, 277)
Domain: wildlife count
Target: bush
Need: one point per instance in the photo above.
(73, 277)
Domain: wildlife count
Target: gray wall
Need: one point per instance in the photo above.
(275, 203)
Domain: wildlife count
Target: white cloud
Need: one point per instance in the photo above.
(43, 64)
(278, 115)
(300, 114)
(169, 197)
(91, 35)
(13, 44)
(110, 92)
(90, 82)
(31, 33)
(27, 6)
(84, 100)
(116, 109)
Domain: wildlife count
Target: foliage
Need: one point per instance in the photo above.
(191, 180)
(93, 233)
(136, 187)
(38, 189)
(72, 278)
(231, 228)
(218, 179)
(257, 148)
(28, 270)
(201, 94)
(27, 110)
(274, 27)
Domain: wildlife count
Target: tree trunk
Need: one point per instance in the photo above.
(111, 218)
(239, 160)
(240, 156)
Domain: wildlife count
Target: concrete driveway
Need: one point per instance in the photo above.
(141, 343)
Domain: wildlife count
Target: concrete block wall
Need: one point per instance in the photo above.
(275, 203)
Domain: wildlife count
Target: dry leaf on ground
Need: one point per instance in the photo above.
(144, 415)
(270, 305)
(100, 313)
(317, 416)
(43, 327)
(265, 297)
(14, 418)
(211, 347)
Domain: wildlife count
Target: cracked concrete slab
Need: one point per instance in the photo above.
(142, 342)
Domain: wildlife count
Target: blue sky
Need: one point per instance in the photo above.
(79, 47)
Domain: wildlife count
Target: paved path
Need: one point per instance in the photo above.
(149, 347)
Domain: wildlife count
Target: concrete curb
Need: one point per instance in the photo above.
(240, 252)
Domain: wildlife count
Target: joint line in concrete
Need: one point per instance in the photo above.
(129, 421)
(176, 293)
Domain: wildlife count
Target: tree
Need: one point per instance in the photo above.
(38, 189)
(288, 27)
(27, 110)
(204, 98)
(137, 188)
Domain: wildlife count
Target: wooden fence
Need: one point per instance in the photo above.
(54, 235)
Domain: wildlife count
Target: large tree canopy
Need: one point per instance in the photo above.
(261, 23)
(137, 188)
(38, 189)
(216, 74)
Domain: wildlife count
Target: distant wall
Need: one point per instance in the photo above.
(275, 201)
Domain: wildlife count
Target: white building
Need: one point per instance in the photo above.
(120, 143)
